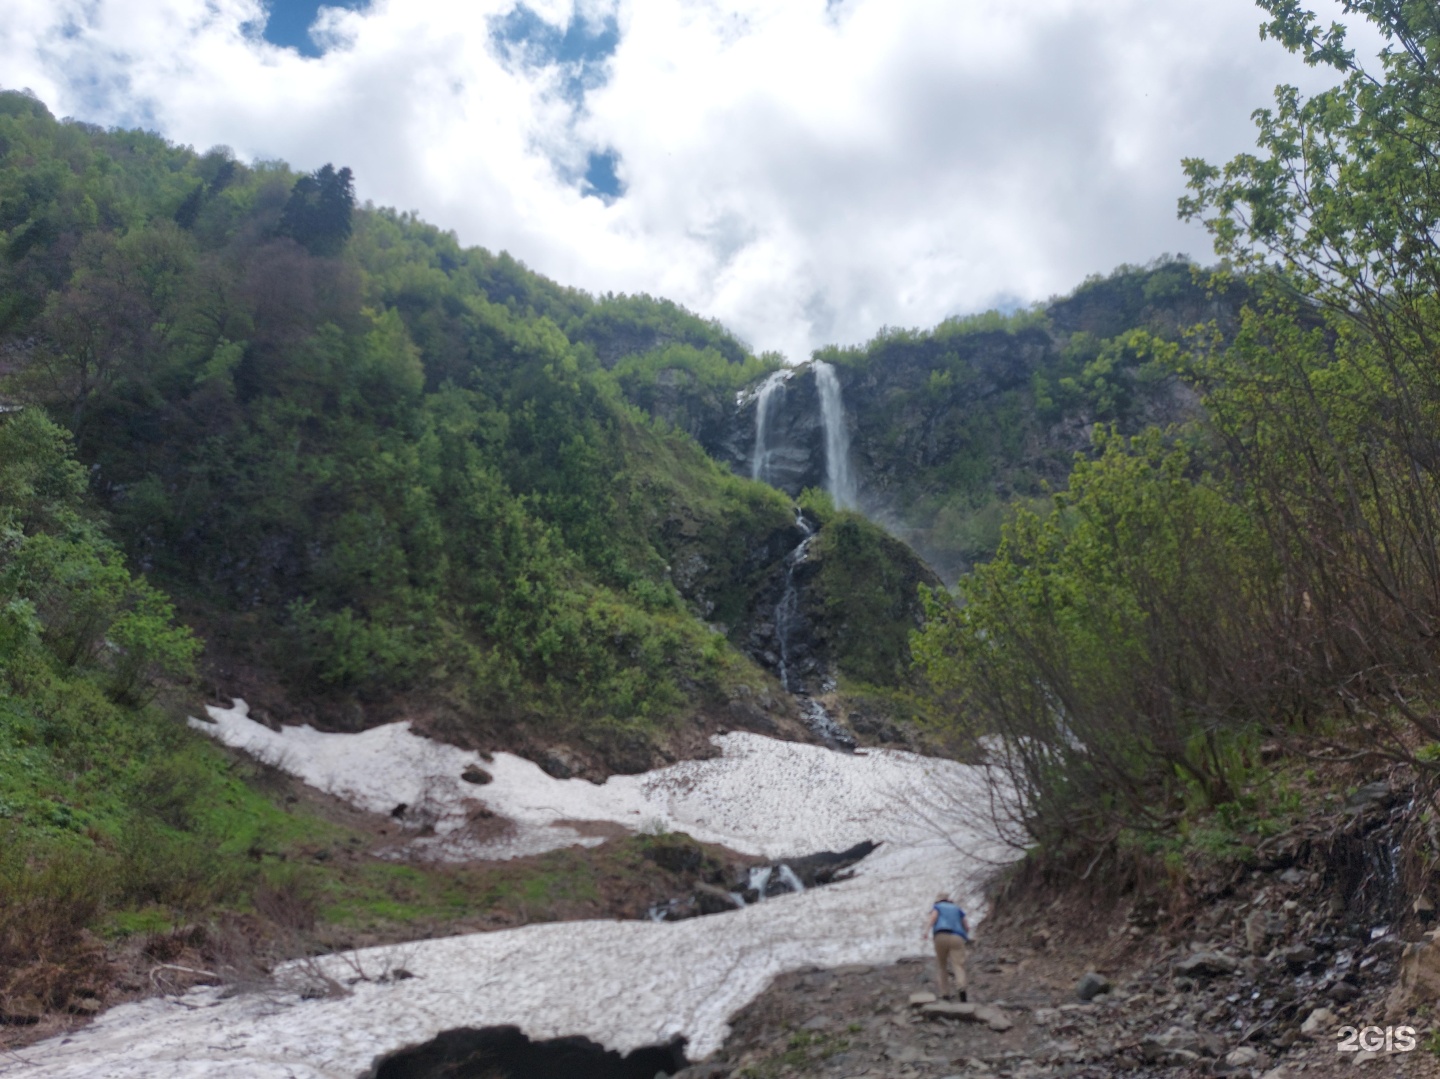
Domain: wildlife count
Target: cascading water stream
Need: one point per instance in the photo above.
(839, 478)
(787, 611)
(840, 483)
(764, 406)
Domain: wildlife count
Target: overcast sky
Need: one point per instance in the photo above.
(806, 171)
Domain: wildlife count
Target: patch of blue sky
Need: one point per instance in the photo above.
(289, 23)
(580, 48)
(601, 177)
(578, 51)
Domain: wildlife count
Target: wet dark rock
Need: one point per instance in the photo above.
(711, 900)
(505, 1052)
(476, 775)
(825, 867)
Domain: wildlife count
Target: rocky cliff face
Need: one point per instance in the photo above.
(949, 427)
(792, 457)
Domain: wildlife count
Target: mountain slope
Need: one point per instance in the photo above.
(381, 473)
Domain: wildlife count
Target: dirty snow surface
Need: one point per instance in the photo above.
(621, 983)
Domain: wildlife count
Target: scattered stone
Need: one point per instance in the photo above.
(1364, 1056)
(993, 1018)
(1370, 794)
(947, 1009)
(1246, 1056)
(1091, 985)
(1423, 908)
(1294, 876)
(1387, 945)
(1260, 927)
(819, 1022)
(1158, 1047)
(1342, 992)
(904, 1054)
(85, 1006)
(1318, 1023)
(1207, 965)
(1278, 1073)
(1297, 957)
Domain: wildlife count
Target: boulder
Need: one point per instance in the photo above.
(1091, 985)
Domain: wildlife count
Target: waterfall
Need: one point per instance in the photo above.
(760, 457)
(839, 479)
(788, 609)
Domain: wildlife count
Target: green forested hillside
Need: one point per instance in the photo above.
(369, 466)
(360, 456)
(1268, 576)
(256, 438)
(955, 424)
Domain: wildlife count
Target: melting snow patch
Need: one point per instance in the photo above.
(624, 984)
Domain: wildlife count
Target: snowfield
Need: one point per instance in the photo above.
(623, 984)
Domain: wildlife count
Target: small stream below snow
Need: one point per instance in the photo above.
(624, 984)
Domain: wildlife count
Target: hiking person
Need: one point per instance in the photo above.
(952, 936)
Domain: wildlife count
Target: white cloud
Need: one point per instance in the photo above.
(804, 172)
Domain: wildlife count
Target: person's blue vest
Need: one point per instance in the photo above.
(950, 919)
